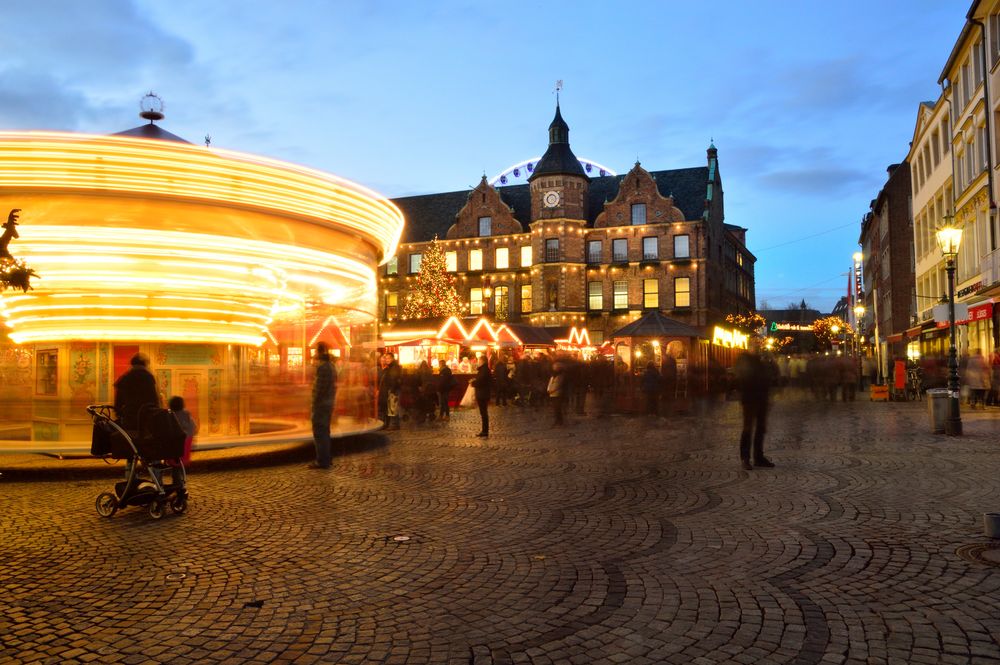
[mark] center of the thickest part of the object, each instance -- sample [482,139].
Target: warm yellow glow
[859,311]
[949,238]
[144,284]
[858,256]
[48,161]
[835,329]
[732,338]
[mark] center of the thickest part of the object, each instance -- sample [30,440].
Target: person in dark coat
[388,389]
[446,381]
[754,375]
[650,387]
[324,393]
[135,389]
[483,384]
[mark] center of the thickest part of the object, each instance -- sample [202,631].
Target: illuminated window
[682,291]
[451,261]
[595,295]
[619,250]
[526,256]
[475,259]
[650,249]
[739,258]
[391,305]
[526,297]
[415,260]
[501,303]
[501,259]
[621,295]
[475,301]
[638,213]
[552,249]
[594,250]
[682,248]
[651,293]
[485,226]
[392,267]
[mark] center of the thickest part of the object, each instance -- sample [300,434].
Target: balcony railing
[551,254]
[620,257]
[594,257]
[650,256]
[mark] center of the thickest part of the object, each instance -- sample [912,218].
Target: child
[190,428]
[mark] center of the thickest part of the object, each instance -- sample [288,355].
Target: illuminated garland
[750,322]
[823,329]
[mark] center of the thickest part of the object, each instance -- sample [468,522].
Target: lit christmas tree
[434,294]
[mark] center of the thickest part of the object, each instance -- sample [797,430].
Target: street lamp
[949,238]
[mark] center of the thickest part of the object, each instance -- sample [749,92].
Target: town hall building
[570,249]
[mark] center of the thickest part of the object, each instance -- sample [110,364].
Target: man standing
[389,385]
[135,389]
[323,395]
[754,376]
[483,385]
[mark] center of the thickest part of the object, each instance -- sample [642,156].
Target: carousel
[224,268]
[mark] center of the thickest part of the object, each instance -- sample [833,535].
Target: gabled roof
[656,324]
[433,214]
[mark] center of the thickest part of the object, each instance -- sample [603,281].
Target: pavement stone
[609,540]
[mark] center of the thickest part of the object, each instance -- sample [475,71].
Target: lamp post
[487,294]
[949,238]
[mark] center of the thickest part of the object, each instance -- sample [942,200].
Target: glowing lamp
[949,238]
[859,311]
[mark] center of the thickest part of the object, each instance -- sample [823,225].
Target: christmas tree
[434,293]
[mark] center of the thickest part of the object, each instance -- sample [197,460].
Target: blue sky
[808,102]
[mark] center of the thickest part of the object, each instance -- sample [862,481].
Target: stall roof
[655,324]
[531,335]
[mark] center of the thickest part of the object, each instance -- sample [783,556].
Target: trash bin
[937,405]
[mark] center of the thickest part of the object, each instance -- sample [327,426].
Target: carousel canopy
[655,324]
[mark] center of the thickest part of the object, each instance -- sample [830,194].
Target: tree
[14,273]
[434,293]
[830,328]
[748,323]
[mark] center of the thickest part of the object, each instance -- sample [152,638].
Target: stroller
[159,437]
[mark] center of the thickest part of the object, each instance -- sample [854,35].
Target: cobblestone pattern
[607,541]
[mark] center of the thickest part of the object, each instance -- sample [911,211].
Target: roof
[428,215]
[151,131]
[558,158]
[532,335]
[656,324]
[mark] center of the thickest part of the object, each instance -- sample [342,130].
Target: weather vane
[559,86]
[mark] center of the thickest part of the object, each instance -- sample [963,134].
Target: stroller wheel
[179,505]
[157,509]
[107,504]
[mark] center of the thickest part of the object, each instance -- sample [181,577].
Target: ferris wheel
[522,170]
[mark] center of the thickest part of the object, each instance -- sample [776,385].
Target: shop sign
[969,289]
[794,327]
[730,338]
[981,312]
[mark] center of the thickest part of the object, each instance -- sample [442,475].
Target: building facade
[570,249]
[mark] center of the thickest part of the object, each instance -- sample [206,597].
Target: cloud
[827,181]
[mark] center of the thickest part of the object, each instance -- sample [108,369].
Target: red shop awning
[892,339]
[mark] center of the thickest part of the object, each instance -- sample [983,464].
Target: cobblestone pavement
[616,540]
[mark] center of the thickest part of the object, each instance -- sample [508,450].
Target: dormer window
[485,226]
[638,214]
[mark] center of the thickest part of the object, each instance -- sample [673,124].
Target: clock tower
[558,182]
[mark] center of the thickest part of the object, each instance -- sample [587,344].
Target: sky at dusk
[808,102]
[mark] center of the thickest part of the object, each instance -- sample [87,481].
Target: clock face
[551,199]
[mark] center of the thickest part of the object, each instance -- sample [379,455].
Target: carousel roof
[655,324]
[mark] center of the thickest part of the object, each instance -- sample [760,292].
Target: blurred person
[501,381]
[650,387]
[483,386]
[668,384]
[190,427]
[324,394]
[135,389]
[389,387]
[754,375]
[556,390]
[446,381]
[977,377]
[995,377]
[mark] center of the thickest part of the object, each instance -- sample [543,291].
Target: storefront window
[47,372]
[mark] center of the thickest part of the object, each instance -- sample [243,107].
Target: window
[739,258]
[391,305]
[501,260]
[451,261]
[682,291]
[475,259]
[594,250]
[651,293]
[475,301]
[392,267]
[619,250]
[994,39]
[552,249]
[485,226]
[638,213]
[415,263]
[501,303]
[621,295]
[682,247]
[526,297]
[595,296]
[526,256]
[650,249]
